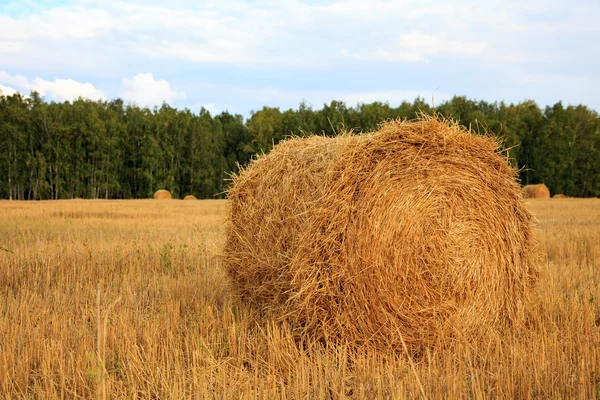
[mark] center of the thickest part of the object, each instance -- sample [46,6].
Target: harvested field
[127,299]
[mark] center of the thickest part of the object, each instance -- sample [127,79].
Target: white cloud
[7,91]
[144,90]
[397,55]
[58,24]
[58,89]
[416,46]
[420,43]
[211,108]
[13,80]
[66,89]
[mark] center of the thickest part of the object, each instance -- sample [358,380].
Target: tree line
[112,150]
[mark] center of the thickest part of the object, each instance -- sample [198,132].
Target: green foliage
[99,149]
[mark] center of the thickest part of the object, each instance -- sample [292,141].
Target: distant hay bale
[540,191]
[162,195]
[559,196]
[190,197]
[414,233]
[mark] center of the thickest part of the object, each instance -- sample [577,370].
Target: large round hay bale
[190,197]
[414,233]
[559,196]
[540,191]
[162,195]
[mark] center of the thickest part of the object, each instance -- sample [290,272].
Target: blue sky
[241,55]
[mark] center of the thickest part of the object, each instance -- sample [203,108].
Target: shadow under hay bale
[190,197]
[162,195]
[540,191]
[414,233]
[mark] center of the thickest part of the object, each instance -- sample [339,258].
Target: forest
[113,150]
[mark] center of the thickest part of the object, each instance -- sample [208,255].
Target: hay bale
[162,195]
[190,197]
[540,191]
[414,233]
[559,196]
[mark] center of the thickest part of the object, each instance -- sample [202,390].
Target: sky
[242,55]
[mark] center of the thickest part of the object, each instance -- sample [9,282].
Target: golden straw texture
[540,191]
[415,233]
[162,195]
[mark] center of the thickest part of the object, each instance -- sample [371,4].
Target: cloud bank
[480,49]
[57,89]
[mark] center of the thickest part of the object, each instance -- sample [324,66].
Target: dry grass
[126,299]
[409,236]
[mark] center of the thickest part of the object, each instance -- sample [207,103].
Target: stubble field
[127,299]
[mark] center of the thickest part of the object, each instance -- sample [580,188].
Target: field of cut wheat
[128,299]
